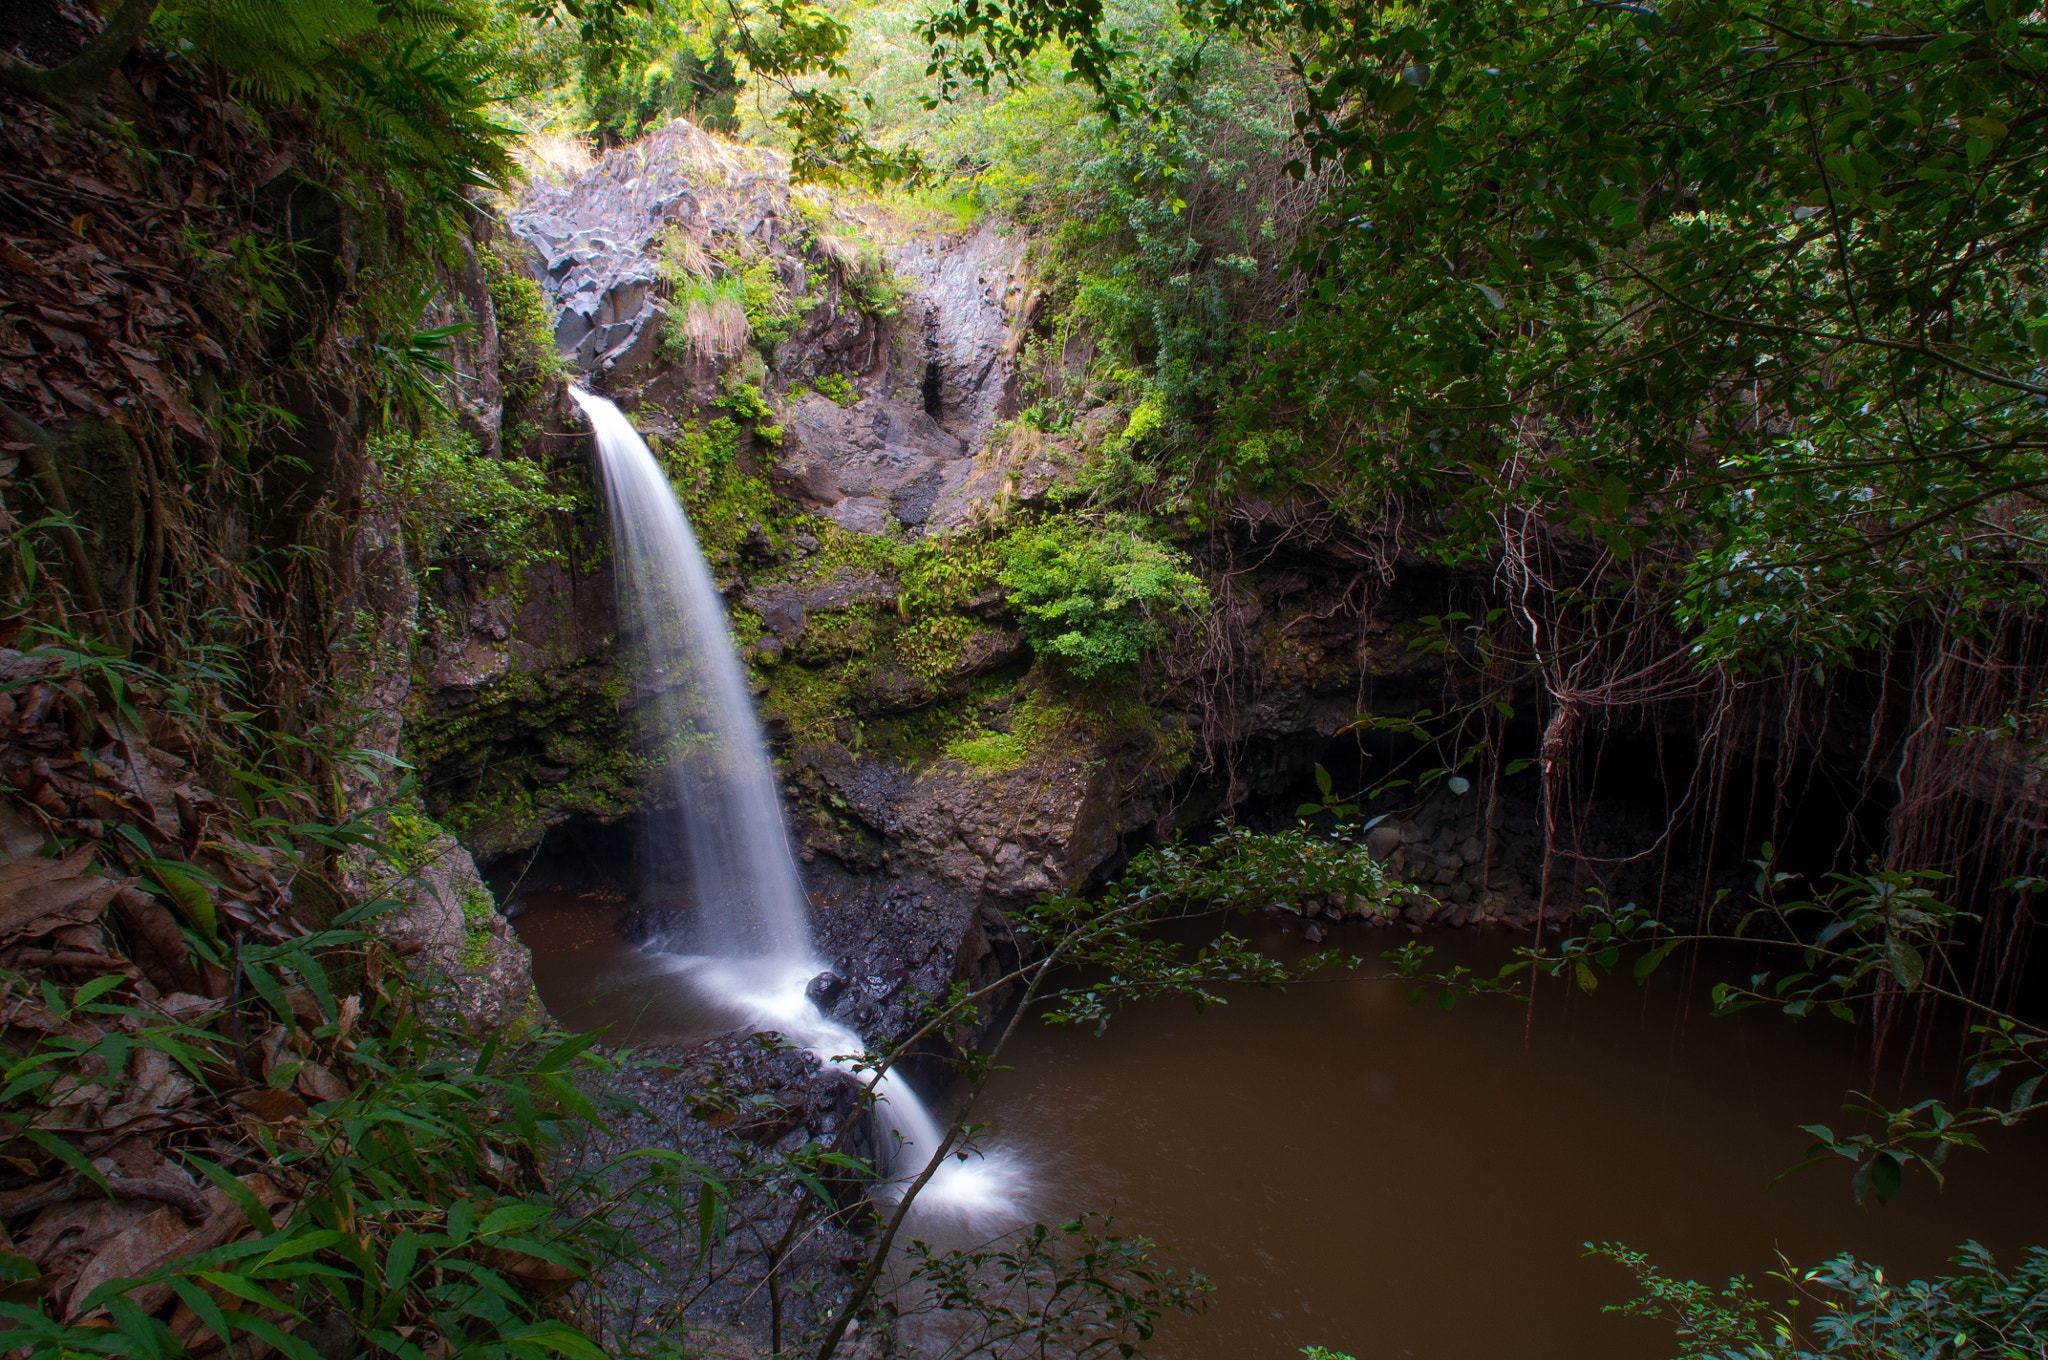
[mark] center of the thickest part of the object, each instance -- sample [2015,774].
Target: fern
[403,86]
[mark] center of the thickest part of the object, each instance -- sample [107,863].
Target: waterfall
[719,850]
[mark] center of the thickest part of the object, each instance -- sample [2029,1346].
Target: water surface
[1393,1181]
[1400,1182]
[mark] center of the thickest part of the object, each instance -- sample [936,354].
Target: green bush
[1096,595]
[452,498]
[1978,1311]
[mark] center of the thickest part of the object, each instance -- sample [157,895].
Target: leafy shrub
[931,647]
[874,284]
[452,498]
[526,338]
[770,314]
[410,836]
[1979,1311]
[1242,868]
[1096,595]
[835,386]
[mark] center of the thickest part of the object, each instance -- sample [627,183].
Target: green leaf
[511,1217]
[319,1240]
[178,884]
[244,1288]
[562,1054]
[1905,961]
[1584,975]
[202,1304]
[67,1154]
[244,1198]
[1653,960]
[95,989]
[1887,1174]
[707,1208]
[559,1338]
[285,1341]
[398,1260]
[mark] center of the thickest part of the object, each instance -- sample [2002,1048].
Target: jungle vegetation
[1712,334]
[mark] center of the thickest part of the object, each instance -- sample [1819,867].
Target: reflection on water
[590,978]
[1396,1182]
[1399,1182]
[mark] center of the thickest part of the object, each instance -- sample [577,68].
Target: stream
[1392,1181]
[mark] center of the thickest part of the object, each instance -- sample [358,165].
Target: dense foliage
[1095,595]
[1981,1310]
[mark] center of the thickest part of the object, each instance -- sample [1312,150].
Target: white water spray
[747,936]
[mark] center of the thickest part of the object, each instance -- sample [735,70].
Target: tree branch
[74,89]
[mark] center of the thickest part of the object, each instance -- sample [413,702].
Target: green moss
[530,751]
[526,338]
[725,503]
[835,634]
[1038,724]
[932,648]
[807,701]
[990,750]
[478,906]
[839,549]
[410,835]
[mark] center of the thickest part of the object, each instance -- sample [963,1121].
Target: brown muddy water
[1397,1182]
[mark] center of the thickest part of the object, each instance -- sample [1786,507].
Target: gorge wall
[832,384]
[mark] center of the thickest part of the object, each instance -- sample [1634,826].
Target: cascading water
[720,846]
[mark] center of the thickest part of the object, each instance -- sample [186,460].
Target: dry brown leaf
[165,1233]
[27,873]
[156,1235]
[540,1276]
[270,1106]
[305,1006]
[83,400]
[167,399]
[272,1048]
[42,907]
[157,945]
[317,1083]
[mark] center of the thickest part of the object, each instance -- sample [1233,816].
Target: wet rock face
[926,385]
[969,307]
[596,242]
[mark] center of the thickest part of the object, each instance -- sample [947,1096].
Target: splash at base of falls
[981,1187]
[722,826]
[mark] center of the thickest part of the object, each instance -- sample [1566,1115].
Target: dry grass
[838,249]
[715,326]
[711,157]
[684,257]
[547,149]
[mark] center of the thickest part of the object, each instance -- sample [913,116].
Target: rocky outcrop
[597,241]
[449,925]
